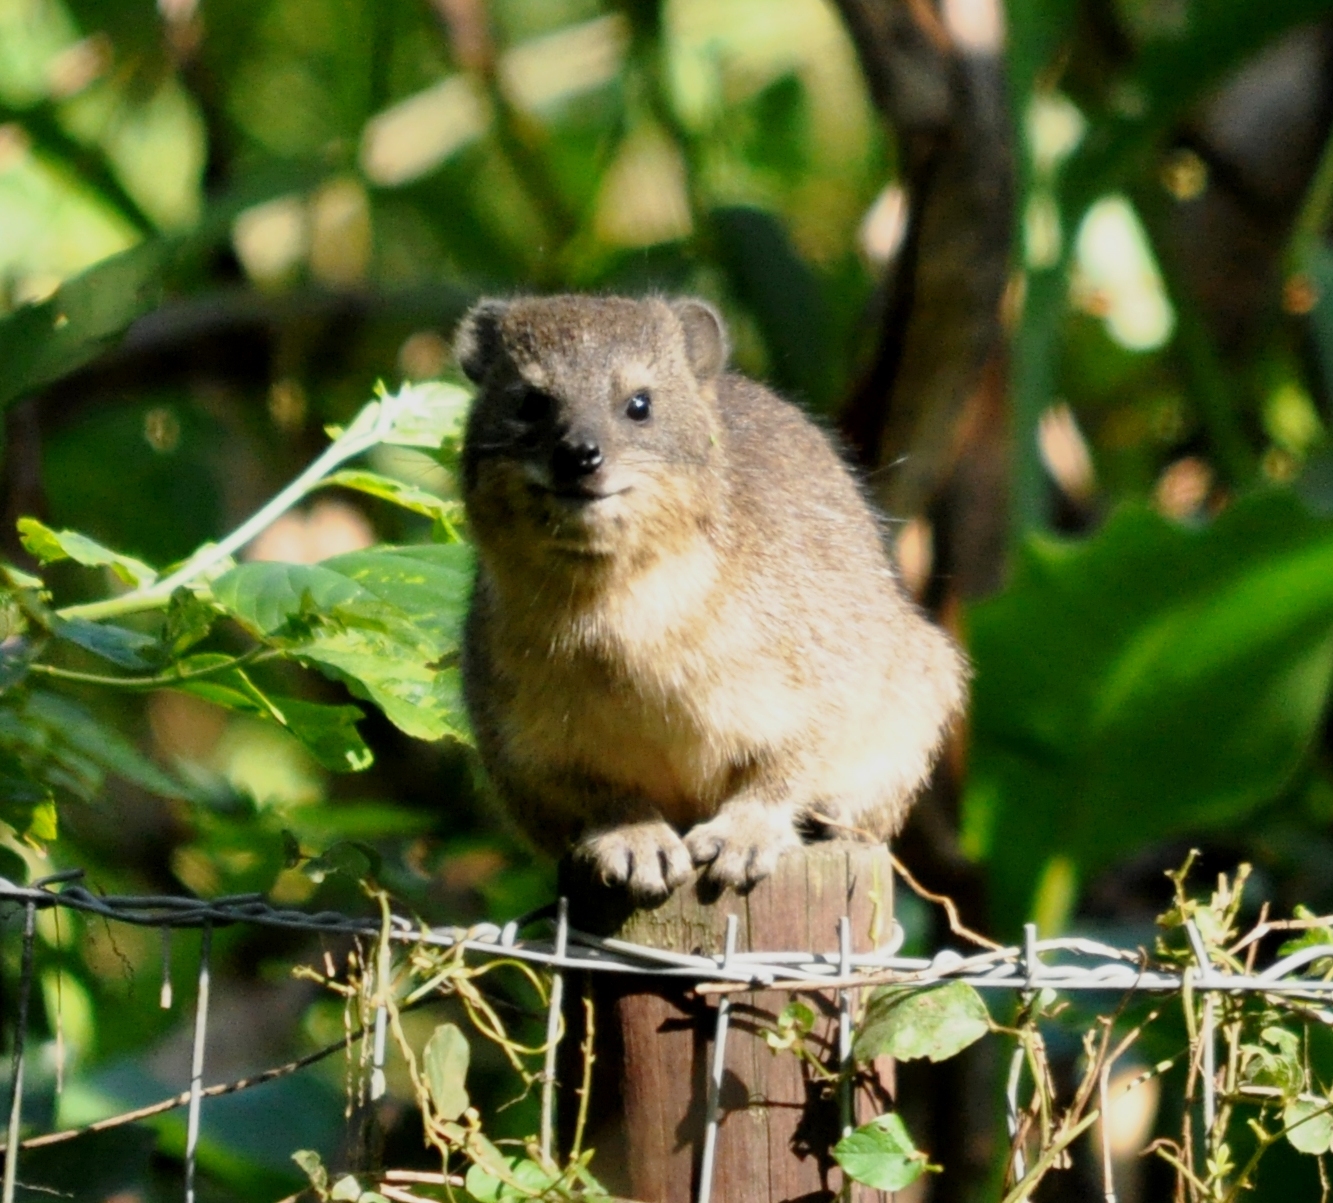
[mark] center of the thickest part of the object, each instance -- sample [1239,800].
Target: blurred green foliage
[222,223]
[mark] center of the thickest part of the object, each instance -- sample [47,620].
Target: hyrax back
[686,641]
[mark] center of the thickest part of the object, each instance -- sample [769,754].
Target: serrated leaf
[50,546]
[385,621]
[907,1023]
[445,1061]
[880,1154]
[119,645]
[1309,1125]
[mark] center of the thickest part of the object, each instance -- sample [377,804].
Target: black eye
[639,408]
[533,406]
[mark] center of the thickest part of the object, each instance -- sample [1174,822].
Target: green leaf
[795,1021]
[40,343]
[117,644]
[72,749]
[485,1177]
[529,1181]
[13,868]
[427,414]
[43,826]
[328,733]
[908,1023]
[880,1154]
[189,619]
[346,1188]
[25,804]
[1276,1062]
[481,1184]
[386,621]
[50,546]
[350,858]
[1177,680]
[445,1061]
[1309,1125]
[409,497]
[313,1167]
[1314,937]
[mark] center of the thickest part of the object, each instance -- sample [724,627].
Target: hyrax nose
[573,459]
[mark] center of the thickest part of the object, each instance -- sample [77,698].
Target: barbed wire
[1098,966]
[1081,965]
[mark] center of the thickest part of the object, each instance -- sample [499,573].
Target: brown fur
[705,644]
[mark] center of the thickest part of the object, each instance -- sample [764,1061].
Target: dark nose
[571,460]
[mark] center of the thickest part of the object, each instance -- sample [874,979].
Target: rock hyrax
[686,645]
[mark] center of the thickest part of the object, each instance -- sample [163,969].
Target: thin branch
[165,680]
[180,1100]
[956,924]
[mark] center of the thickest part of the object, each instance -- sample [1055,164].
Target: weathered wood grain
[654,1040]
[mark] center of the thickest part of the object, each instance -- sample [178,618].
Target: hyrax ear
[705,337]
[477,340]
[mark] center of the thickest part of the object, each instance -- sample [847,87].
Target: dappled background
[1058,275]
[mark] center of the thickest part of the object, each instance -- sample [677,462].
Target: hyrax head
[594,432]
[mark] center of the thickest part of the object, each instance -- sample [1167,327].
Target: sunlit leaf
[446,514]
[426,414]
[1309,1125]
[907,1023]
[386,621]
[880,1154]
[445,1062]
[50,546]
[313,1167]
[328,733]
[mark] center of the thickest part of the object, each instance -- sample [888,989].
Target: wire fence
[1063,965]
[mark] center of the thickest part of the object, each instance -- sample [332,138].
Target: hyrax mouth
[577,495]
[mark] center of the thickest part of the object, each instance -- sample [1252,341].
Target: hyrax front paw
[647,858]
[742,844]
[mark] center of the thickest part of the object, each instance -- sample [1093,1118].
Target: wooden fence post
[654,1039]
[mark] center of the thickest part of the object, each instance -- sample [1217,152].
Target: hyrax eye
[639,408]
[533,406]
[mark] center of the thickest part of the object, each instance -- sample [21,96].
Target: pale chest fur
[653,690]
